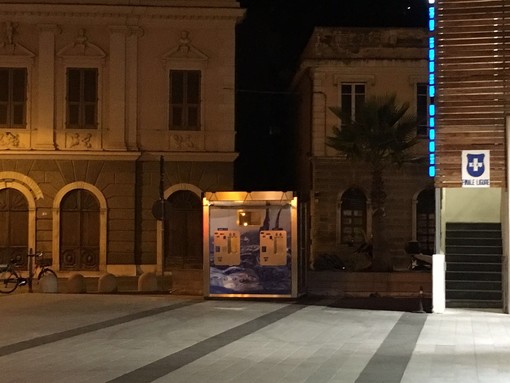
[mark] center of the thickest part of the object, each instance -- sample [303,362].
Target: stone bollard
[48,283]
[76,284]
[107,283]
[147,282]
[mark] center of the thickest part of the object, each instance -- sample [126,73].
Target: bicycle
[10,275]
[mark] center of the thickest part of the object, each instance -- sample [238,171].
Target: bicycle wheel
[46,272]
[8,281]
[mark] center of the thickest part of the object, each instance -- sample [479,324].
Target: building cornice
[191,156]
[334,63]
[117,156]
[68,155]
[109,11]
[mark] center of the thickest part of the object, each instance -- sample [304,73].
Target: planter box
[188,281]
[359,284]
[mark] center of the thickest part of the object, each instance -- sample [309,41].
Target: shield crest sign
[476,168]
[475,165]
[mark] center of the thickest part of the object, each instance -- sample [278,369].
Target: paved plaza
[164,338]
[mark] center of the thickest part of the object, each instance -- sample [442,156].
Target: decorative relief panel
[184,52]
[14,140]
[81,48]
[187,142]
[9,46]
[82,140]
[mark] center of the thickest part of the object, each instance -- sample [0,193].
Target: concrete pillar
[438,283]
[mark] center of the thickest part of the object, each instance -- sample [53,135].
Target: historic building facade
[92,96]
[341,67]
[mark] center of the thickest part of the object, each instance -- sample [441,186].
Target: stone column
[319,110]
[46,87]
[116,129]
[132,87]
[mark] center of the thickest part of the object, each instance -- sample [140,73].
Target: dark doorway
[183,242]
[14,226]
[79,231]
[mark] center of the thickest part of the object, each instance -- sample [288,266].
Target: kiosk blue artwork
[250,244]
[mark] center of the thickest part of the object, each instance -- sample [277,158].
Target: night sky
[269,42]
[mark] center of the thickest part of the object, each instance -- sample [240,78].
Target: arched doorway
[79,231]
[183,237]
[14,226]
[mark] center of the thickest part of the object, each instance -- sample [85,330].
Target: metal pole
[30,257]
[163,216]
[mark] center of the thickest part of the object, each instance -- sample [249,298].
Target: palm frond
[382,132]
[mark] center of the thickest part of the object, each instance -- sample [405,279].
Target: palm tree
[380,135]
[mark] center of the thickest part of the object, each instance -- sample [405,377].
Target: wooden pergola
[472,82]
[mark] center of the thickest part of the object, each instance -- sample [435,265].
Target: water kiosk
[251,245]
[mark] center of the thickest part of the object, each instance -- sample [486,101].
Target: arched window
[425,221]
[183,244]
[79,231]
[353,216]
[14,226]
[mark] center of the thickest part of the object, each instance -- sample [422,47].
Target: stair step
[474,250]
[473,266]
[482,234]
[474,295]
[470,258]
[473,303]
[473,285]
[472,276]
[467,226]
[470,241]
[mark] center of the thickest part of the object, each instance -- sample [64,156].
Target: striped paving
[45,339]
[170,363]
[390,361]
[133,338]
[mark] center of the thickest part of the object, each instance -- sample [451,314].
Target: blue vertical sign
[432,88]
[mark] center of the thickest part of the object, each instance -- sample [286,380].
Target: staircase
[473,265]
